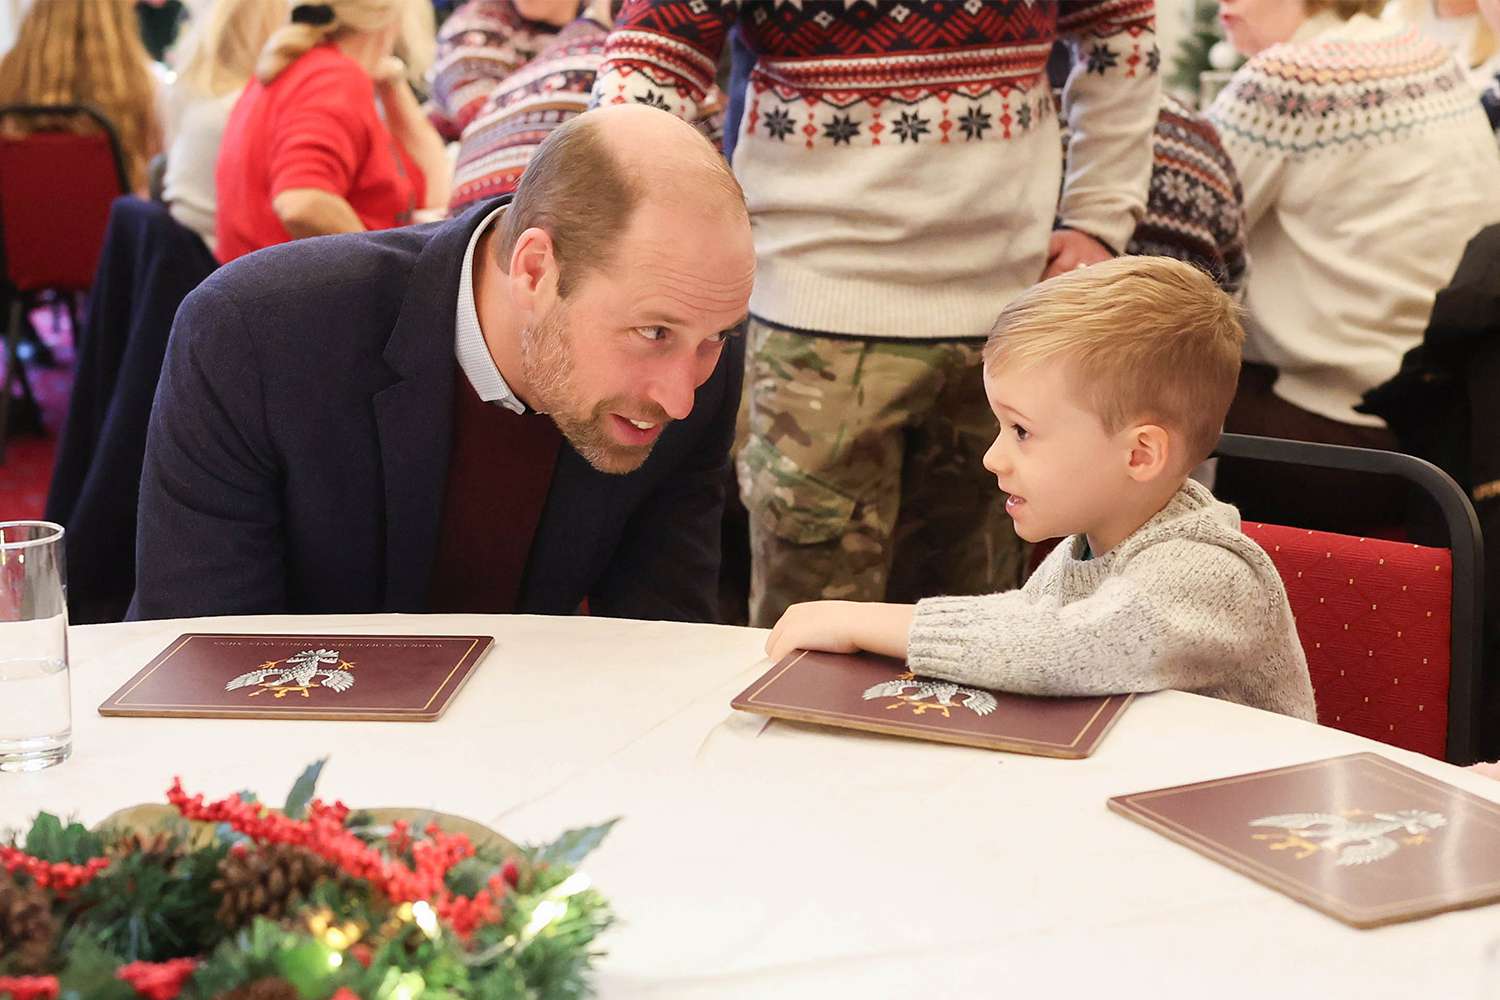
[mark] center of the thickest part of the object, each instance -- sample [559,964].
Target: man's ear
[1151,452]
[533,272]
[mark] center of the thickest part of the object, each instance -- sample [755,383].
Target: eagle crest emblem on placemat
[1356,837]
[311,668]
[923,694]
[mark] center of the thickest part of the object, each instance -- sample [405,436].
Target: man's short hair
[1145,338]
[574,189]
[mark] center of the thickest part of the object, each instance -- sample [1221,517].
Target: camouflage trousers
[862,472]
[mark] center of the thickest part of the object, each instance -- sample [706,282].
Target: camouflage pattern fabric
[862,472]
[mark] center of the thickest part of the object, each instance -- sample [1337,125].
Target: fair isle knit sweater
[1186,602]
[1367,165]
[480,45]
[901,159]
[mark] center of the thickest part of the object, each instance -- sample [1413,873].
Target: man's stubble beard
[548,370]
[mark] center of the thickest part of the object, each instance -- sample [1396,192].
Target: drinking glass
[35,711]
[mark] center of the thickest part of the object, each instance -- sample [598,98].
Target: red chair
[56,187]
[1392,630]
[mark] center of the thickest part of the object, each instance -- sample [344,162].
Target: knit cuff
[937,643]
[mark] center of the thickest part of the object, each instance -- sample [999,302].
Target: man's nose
[675,389]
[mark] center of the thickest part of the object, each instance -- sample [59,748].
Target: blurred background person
[1490,92]
[1459,27]
[1367,166]
[308,152]
[215,62]
[87,52]
[481,44]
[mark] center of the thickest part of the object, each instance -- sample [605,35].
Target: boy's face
[1064,472]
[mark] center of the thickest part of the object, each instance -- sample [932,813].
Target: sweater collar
[1192,498]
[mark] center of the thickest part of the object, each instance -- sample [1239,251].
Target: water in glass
[35,709]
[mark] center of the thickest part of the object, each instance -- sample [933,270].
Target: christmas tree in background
[1203,50]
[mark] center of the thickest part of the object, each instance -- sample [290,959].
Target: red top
[499,475]
[314,126]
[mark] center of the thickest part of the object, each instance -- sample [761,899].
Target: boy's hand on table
[842,627]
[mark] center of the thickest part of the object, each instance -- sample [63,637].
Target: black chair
[1325,617]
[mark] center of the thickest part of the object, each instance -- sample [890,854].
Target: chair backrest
[1392,630]
[1375,620]
[55,191]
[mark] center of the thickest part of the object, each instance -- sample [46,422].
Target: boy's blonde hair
[1145,338]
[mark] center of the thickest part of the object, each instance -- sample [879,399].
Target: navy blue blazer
[298,451]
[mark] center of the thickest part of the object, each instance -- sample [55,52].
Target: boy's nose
[994,460]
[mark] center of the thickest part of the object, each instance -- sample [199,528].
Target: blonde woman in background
[87,52]
[328,137]
[215,62]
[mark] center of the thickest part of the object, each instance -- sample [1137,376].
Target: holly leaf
[50,840]
[302,791]
[574,845]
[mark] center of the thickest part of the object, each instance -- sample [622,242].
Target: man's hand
[842,627]
[1069,248]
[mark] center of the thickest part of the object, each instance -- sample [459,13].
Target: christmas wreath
[234,900]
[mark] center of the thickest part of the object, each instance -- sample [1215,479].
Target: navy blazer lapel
[414,416]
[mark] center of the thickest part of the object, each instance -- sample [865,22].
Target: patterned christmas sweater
[529,105]
[901,160]
[479,46]
[1367,165]
[1195,210]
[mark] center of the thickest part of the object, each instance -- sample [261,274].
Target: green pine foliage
[157,901]
[1192,56]
[152,907]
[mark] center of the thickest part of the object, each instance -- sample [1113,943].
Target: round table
[759,859]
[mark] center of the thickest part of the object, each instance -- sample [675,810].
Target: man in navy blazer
[524,408]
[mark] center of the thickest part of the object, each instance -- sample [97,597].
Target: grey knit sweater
[1185,602]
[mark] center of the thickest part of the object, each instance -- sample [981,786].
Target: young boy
[1110,384]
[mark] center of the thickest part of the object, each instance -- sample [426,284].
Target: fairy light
[410,986]
[423,915]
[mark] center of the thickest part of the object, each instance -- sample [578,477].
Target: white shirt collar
[473,353]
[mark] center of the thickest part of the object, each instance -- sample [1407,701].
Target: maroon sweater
[499,474]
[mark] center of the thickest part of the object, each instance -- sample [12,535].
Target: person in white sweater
[1110,383]
[1367,166]
[214,64]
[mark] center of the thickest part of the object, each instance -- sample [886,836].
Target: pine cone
[269,988]
[266,882]
[27,930]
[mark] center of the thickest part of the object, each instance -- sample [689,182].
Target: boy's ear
[1151,454]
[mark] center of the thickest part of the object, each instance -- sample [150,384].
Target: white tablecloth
[759,860]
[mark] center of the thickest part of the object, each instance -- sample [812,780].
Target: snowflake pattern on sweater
[880,135]
[840,74]
[479,46]
[1315,99]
